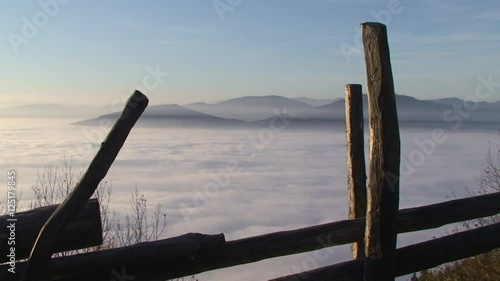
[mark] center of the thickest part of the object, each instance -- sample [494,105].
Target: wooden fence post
[356,168]
[97,170]
[383,182]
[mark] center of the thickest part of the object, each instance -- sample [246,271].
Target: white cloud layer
[298,179]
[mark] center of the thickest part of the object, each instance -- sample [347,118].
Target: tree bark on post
[383,182]
[356,168]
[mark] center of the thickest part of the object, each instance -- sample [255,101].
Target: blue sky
[93,52]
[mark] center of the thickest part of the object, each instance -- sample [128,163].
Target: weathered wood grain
[383,180]
[356,168]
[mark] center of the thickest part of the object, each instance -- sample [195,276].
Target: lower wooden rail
[414,258]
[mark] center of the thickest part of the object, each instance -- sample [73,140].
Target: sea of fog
[248,182]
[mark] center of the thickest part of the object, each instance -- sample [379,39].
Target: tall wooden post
[356,168]
[383,182]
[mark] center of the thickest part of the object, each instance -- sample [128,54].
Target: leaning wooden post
[383,182]
[356,169]
[98,168]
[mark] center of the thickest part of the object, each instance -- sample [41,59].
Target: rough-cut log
[383,181]
[264,246]
[416,257]
[356,169]
[83,231]
[143,261]
[97,170]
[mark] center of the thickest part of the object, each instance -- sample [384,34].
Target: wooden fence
[84,230]
[373,224]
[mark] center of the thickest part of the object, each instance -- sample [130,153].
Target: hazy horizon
[252,111]
[16,103]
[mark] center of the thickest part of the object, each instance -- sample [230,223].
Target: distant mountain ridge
[250,108]
[257,110]
[411,109]
[169,115]
[410,106]
[316,102]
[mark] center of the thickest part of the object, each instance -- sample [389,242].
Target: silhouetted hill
[272,110]
[410,109]
[315,102]
[481,106]
[251,108]
[169,115]
[446,101]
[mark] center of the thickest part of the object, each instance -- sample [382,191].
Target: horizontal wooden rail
[416,257]
[103,265]
[156,260]
[83,231]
